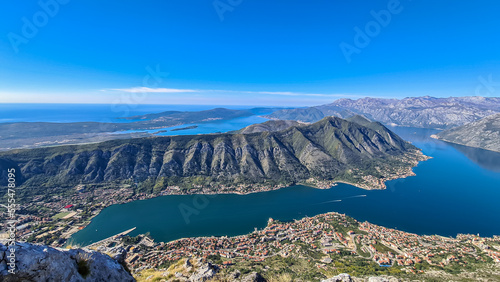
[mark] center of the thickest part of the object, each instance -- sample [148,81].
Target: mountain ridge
[423,112]
[484,134]
[268,126]
[329,150]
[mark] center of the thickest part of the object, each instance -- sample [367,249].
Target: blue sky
[279,52]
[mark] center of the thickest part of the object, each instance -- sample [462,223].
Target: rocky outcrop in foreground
[196,270]
[42,263]
[344,277]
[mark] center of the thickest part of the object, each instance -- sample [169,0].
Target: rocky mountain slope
[484,134]
[423,112]
[311,114]
[269,126]
[331,149]
[42,263]
[195,270]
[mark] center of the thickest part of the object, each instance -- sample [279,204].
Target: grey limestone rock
[253,277]
[343,277]
[42,263]
[205,271]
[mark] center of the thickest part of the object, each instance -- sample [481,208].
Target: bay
[217,126]
[450,194]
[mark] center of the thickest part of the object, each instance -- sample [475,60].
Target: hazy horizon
[255,52]
[243,106]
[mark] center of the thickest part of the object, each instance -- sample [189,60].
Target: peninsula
[484,134]
[360,152]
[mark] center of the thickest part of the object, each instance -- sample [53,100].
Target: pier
[103,241]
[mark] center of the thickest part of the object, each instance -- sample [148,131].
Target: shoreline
[436,137]
[304,217]
[368,184]
[261,246]
[331,185]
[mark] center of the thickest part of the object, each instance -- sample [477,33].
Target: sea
[90,112]
[456,191]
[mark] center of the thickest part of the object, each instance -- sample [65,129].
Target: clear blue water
[89,112]
[205,127]
[452,193]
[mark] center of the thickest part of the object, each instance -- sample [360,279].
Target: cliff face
[324,150]
[484,134]
[42,263]
[423,112]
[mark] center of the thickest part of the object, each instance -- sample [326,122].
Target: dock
[103,241]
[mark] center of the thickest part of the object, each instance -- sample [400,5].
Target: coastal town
[52,219]
[327,243]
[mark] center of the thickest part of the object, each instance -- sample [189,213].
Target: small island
[185,128]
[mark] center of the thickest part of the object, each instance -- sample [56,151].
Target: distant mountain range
[423,112]
[356,151]
[484,134]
